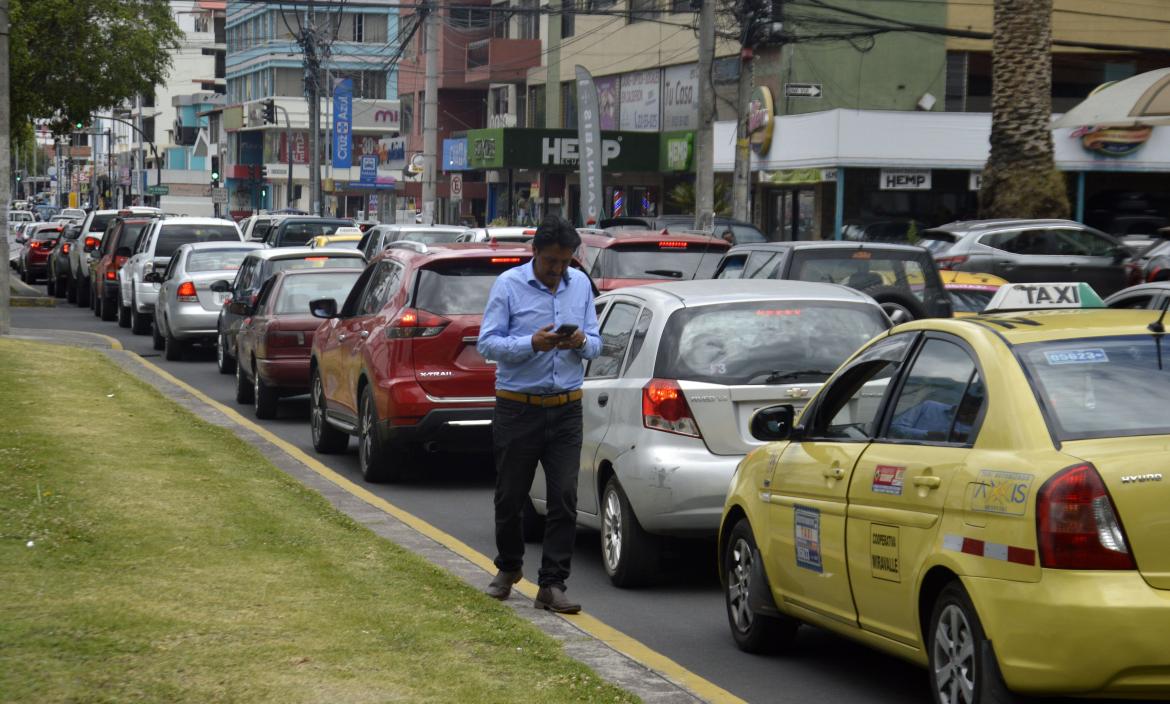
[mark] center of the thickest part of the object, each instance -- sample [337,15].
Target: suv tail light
[92,242]
[186,292]
[414,322]
[950,262]
[111,275]
[1077,526]
[45,245]
[665,408]
[65,248]
[283,338]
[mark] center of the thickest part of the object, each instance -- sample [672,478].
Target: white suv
[667,403]
[154,252]
[80,257]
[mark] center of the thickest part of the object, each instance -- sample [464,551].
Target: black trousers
[522,435]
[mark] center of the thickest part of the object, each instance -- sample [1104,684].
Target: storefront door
[791,214]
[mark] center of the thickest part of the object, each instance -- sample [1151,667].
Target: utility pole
[430,112]
[705,146]
[5,194]
[741,184]
[313,94]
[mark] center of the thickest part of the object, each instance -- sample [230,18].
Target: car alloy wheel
[263,396]
[243,388]
[739,585]
[954,657]
[223,360]
[326,438]
[611,532]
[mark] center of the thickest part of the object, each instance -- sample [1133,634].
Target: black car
[902,278]
[58,275]
[258,267]
[298,230]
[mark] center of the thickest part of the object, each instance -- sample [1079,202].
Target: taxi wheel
[629,554]
[753,632]
[223,361]
[963,668]
[265,397]
[71,290]
[172,348]
[374,457]
[243,386]
[326,439]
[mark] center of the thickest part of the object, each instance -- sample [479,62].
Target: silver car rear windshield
[764,342]
[216,259]
[173,236]
[1101,387]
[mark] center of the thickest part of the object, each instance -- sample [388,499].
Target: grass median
[151,557]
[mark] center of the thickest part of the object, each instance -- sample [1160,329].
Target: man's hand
[572,342]
[543,340]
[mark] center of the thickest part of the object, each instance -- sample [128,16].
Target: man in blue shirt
[539,326]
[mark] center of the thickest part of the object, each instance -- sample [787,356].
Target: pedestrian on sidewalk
[539,326]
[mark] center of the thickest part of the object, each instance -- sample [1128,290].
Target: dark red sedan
[276,337]
[39,241]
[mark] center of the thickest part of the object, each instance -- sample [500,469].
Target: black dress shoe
[501,585]
[553,599]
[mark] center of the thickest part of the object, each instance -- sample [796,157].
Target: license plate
[219,298]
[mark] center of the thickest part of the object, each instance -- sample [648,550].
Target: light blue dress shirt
[518,306]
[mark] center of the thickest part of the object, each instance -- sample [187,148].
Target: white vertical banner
[589,141]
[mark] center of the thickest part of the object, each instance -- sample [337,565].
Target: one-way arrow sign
[802,90]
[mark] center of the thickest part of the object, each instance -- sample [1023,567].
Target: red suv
[617,258]
[397,365]
[122,235]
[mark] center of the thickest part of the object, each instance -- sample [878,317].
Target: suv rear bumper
[450,429]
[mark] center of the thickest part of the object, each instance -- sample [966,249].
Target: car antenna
[1156,327]
[706,248]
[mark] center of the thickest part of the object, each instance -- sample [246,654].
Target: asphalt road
[683,617]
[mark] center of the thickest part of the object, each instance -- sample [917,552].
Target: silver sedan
[187,308]
[666,405]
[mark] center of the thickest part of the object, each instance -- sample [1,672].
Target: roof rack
[408,244]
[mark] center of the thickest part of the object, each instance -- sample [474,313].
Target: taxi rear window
[764,342]
[1101,387]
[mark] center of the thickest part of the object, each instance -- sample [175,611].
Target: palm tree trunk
[1020,179]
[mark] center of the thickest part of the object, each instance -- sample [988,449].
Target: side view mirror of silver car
[773,423]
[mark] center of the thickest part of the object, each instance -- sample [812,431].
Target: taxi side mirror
[773,423]
[323,308]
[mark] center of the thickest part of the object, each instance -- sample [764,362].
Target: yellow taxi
[983,496]
[970,292]
[344,240]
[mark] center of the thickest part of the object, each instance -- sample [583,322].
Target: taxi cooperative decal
[1089,356]
[807,525]
[887,480]
[883,552]
[992,551]
[1002,492]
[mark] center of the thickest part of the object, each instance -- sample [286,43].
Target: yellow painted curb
[612,637]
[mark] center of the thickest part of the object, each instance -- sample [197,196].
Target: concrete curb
[652,686]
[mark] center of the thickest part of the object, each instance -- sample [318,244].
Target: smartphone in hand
[565,330]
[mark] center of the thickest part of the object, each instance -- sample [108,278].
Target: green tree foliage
[72,58]
[682,197]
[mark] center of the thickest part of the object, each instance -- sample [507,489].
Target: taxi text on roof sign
[1047,296]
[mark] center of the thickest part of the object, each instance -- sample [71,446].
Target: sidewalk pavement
[649,675]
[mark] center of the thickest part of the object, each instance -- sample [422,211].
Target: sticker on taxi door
[808,538]
[1002,492]
[884,552]
[887,480]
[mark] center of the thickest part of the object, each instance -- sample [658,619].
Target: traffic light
[263,172]
[264,193]
[18,176]
[215,171]
[270,111]
[79,125]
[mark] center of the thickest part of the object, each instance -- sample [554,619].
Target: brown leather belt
[544,401]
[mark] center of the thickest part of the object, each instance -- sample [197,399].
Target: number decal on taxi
[808,538]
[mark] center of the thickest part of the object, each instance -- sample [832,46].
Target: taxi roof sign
[1044,296]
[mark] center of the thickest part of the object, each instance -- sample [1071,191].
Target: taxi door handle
[603,399]
[927,481]
[833,473]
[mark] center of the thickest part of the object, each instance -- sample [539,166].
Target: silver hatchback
[667,403]
[188,310]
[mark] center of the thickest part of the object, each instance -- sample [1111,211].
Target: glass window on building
[568,18]
[407,101]
[499,25]
[529,19]
[536,105]
[642,10]
[569,105]
[681,6]
[374,29]
[288,82]
[406,34]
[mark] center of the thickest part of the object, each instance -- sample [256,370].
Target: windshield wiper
[777,376]
[665,272]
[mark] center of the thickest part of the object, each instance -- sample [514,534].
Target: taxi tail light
[1077,526]
[665,408]
[415,322]
[949,262]
[186,292]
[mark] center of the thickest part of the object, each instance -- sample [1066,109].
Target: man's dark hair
[555,230]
